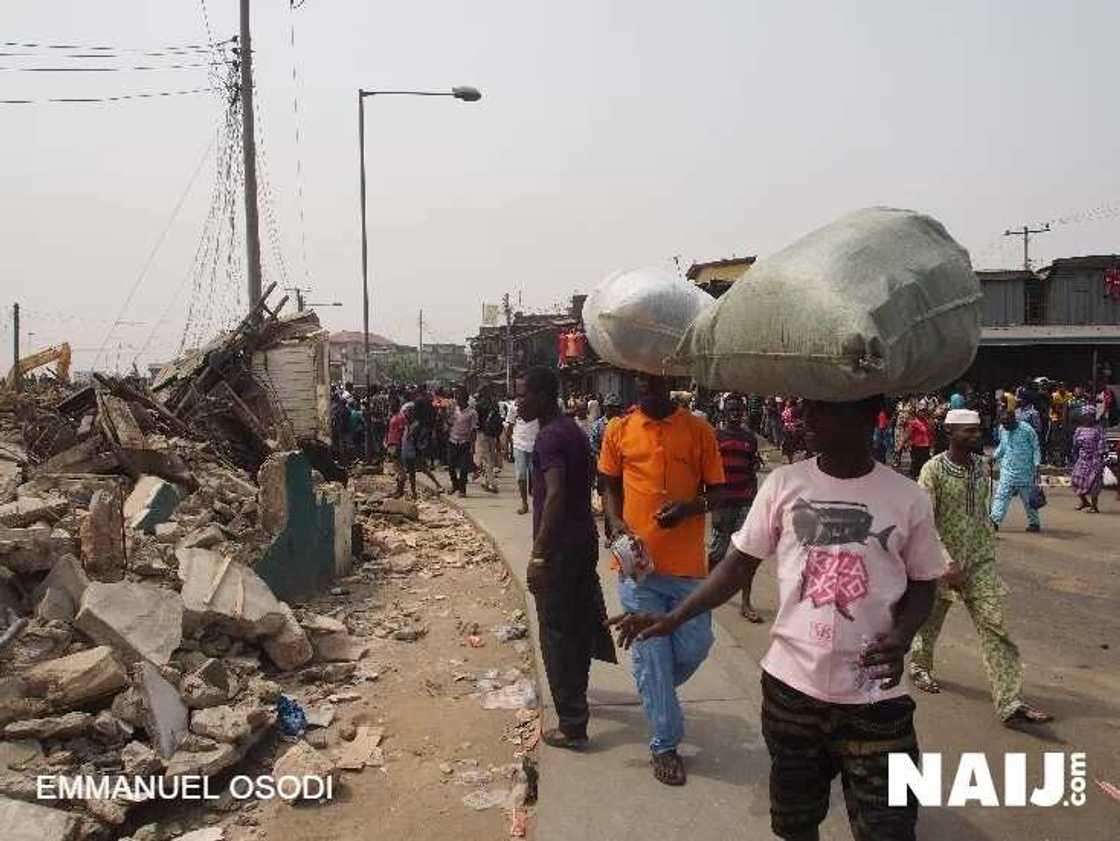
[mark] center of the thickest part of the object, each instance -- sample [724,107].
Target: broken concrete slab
[138,620]
[302,760]
[119,423]
[59,727]
[206,686]
[203,538]
[139,760]
[363,750]
[77,679]
[289,648]
[102,537]
[59,595]
[128,707]
[151,502]
[15,703]
[224,593]
[20,821]
[210,833]
[34,549]
[15,755]
[169,532]
[317,623]
[400,507]
[163,714]
[110,730]
[202,763]
[339,648]
[223,724]
[28,510]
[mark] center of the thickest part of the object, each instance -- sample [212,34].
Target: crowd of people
[841,507]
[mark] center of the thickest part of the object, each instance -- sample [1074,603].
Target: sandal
[556,738]
[750,614]
[1026,714]
[668,768]
[924,681]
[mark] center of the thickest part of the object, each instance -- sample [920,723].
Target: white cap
[962,417]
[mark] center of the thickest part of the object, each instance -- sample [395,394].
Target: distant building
[716,276]
[1062,322]
[347,355]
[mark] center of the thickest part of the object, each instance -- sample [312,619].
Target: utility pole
[249,150]
[420,343]
[509,345]
[1025,232]
[15,348]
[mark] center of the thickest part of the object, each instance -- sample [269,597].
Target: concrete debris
[512,631]
[34,549]
[128,707]
[168,533]
[289,648]
[139,621]
[21,821]
[320,716]
[61,727]
[152,501]
[28,510]
[59,595]
[77,679]
[221,592]
[102,536]
[210,833]
[203,538]
[163,714]
[487,799]
[207,686]
[519,695]
[400,507]
[302,760]
[223,724]
[339,647]
[363,750]
[110,730]
[139,760]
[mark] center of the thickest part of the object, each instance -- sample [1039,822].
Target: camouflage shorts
[812,741]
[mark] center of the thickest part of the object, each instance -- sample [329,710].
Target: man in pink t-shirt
[858,558]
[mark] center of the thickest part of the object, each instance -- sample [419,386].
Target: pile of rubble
[139,603]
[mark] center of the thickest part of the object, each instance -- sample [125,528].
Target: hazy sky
[611,133]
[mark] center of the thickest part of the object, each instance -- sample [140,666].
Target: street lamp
[464,93]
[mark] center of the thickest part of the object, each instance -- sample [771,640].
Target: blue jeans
[664,663]
[1002,498]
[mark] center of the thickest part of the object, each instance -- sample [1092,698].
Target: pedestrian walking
[738,450]
[562,572]
[1090,448]
[522,434]
[959,486]
[460,439]
[858,561]
[1019,459]
[919,436]
[668,462]
[486,442]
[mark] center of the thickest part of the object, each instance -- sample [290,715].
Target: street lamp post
[464,93]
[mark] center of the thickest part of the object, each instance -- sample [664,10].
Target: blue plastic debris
[291,717]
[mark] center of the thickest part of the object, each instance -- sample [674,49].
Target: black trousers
[571,613]
[918,458]
[458,464]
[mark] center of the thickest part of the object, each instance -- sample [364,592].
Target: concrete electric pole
[1025,232]
[249,150]
[15,348]
[509,345]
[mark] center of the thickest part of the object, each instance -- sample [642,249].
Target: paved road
[1065,593]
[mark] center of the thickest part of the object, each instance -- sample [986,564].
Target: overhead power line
[119,98]
[110,48]
[111,69]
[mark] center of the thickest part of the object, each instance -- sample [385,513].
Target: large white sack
[879,301]
[635,319]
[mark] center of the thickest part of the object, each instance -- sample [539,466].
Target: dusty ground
[424,693]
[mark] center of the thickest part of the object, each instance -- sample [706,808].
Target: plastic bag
[290,716]
[879,301]
[1038,497]
[635,319]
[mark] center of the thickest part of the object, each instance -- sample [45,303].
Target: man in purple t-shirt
[562,573]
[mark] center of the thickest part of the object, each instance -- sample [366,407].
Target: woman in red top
[920,435]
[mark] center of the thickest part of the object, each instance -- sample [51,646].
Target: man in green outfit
[959,486]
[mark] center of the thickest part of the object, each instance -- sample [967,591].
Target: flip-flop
[751,615]
[556,738]
[924,681]
[668,768]
[1026,714]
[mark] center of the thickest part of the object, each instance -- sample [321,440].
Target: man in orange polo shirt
[662,470]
